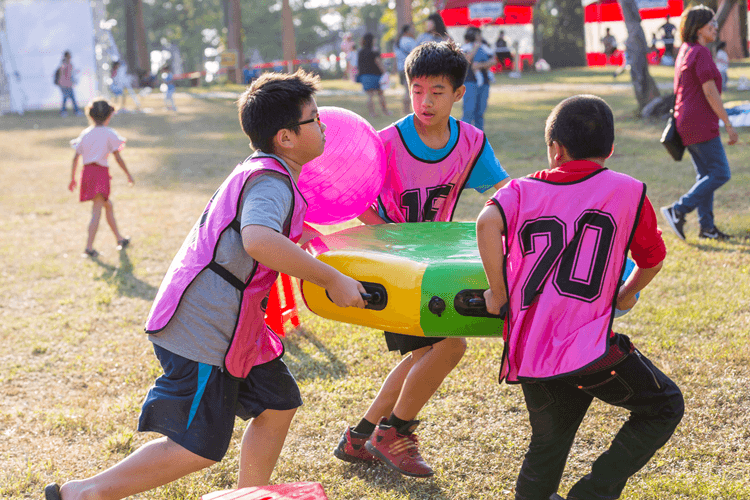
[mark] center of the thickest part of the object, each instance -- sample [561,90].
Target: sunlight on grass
[76,363]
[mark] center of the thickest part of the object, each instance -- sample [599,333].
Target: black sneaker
[675,221]
[713,234]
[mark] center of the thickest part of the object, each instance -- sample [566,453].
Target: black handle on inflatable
[472,303]
[375,295]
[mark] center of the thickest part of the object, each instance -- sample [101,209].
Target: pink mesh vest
[252,342]
[566,246]
[417,191]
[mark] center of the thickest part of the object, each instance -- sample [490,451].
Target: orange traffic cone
[276,314]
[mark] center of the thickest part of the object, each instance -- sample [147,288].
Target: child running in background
[554,246]
[168,78]
[94,145]
[220,360]
[431,158]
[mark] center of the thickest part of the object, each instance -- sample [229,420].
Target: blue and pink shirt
[424,184]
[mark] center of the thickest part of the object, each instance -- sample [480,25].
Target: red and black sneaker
[399,450]
[351,448]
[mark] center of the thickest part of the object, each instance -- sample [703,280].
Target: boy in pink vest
[220,360]
[431,158]
[554,246]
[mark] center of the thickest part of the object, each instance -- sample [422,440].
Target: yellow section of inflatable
[402,279]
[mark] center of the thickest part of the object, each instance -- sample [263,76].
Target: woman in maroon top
[697,110]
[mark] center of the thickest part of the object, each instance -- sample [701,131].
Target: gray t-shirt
[204,321]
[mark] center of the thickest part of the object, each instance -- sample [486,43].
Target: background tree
[560,32]
[636,47]
[136,53]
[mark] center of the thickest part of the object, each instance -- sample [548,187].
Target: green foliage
[560,32]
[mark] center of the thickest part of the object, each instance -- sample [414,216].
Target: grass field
[75,364]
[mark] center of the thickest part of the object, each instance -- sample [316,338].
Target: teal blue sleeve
[487,171]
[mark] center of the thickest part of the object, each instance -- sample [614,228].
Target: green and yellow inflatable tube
[425,279]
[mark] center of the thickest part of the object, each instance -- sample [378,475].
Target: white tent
[33,36]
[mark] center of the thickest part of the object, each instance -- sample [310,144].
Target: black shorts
[194,404]
[408,343]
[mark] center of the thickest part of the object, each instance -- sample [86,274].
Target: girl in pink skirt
[94,145]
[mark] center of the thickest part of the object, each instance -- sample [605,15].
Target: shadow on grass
[380,477]
[303,355]
[121,277]
[738,244]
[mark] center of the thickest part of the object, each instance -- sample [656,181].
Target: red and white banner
[516,22]
[603,14]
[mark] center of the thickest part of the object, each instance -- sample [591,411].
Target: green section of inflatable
[446,256]
[453,264]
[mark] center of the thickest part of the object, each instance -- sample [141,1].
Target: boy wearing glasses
[207,322]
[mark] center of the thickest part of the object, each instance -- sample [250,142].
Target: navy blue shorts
[370,82]
[408,343]
[194,404]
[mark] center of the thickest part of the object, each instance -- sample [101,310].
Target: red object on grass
[289,491]
[276,314]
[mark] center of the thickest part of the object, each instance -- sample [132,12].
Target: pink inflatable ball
[346,179]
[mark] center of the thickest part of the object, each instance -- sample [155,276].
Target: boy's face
[311,138]
[432,99]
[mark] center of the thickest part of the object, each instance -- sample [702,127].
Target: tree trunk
[136,53]
[636,48]
[289,45]
[234,39]
[404,14]
[723,12]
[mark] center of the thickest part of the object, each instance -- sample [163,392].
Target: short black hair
[437,59]
[99,110]
[273,102]
[471,33]
[584,124]
[693,19]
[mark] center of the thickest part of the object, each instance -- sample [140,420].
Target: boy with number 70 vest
[554,245]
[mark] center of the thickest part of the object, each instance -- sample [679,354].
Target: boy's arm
[121,162]
[490,227]
[278,252]
[648,251]
[72,184]
[501,183]
[370,217]
[637,281]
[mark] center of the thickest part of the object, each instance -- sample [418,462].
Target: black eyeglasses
[305,122]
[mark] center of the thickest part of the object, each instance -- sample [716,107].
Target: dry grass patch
[76,365]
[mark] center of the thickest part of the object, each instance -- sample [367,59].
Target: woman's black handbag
[671,139]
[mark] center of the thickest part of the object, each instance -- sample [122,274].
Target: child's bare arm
[72,184]
[637,281]
[278,252]
[501,183]
[370,217]
[490,227]
[121,162]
